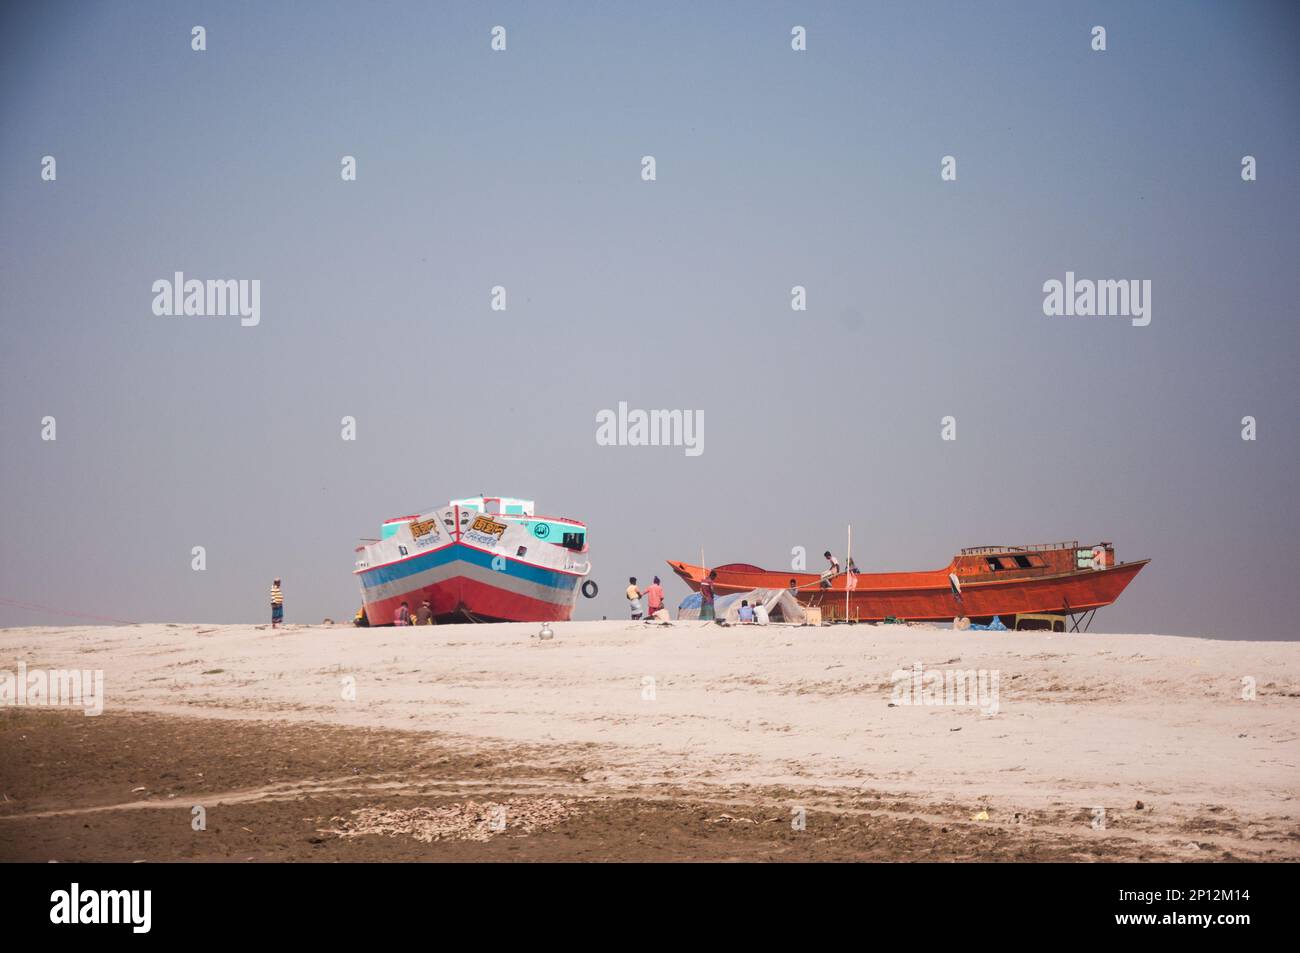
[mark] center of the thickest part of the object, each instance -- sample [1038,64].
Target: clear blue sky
[522,169]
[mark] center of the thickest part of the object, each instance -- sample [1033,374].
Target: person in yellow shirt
[634,597]
[277,604]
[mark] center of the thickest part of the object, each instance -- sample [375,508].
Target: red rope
[36,606]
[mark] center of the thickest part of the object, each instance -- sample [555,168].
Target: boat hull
[470,567]
[929,596]
[462,582]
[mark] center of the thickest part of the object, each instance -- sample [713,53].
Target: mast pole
[848,561]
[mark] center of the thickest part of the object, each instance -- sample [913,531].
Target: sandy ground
[617,740]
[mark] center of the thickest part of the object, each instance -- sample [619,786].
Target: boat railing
[1032,548]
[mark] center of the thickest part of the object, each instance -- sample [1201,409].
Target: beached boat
[982,582]
[486,559]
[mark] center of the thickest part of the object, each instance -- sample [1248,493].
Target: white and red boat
[487,559]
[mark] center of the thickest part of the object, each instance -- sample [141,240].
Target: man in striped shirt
[277,604]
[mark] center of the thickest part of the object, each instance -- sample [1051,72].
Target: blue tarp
[690,606]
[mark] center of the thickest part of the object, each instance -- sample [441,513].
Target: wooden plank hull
[928,596]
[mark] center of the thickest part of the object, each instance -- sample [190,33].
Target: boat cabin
[986,563]
[495,505]
[559,530]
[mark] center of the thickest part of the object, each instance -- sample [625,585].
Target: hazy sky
[522,168]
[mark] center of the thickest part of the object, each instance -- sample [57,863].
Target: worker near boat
[634,598]
[831,571]
[706,597]
[653,596]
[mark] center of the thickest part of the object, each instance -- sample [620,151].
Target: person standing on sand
[655,597]
[706,598]
[403,615]
[424,615]
[634,597]
[277,604]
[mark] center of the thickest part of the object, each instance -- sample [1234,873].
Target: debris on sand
[471,820]
[729,819]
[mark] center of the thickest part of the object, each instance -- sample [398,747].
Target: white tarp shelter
[781,606]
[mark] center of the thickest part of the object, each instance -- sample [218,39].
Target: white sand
[1083,720]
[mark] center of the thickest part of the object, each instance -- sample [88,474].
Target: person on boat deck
[424,615]
[746,611]
[831,571]
[403,615]
[634,597]
[277,604]
[655,597]
[706,597]
[794,587]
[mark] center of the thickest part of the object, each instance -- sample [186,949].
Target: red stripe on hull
[449,596]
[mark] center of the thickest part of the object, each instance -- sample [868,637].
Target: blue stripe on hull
[385,582]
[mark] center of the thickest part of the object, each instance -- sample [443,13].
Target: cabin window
[574,540]
[522,551]
[1000,563]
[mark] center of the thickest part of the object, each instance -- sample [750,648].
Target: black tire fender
[589,589]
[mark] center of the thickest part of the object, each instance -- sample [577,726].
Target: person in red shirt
[655,596]
[706,598]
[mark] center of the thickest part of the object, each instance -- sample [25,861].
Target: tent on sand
[780,604]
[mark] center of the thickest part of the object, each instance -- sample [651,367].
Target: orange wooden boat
[982,582]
